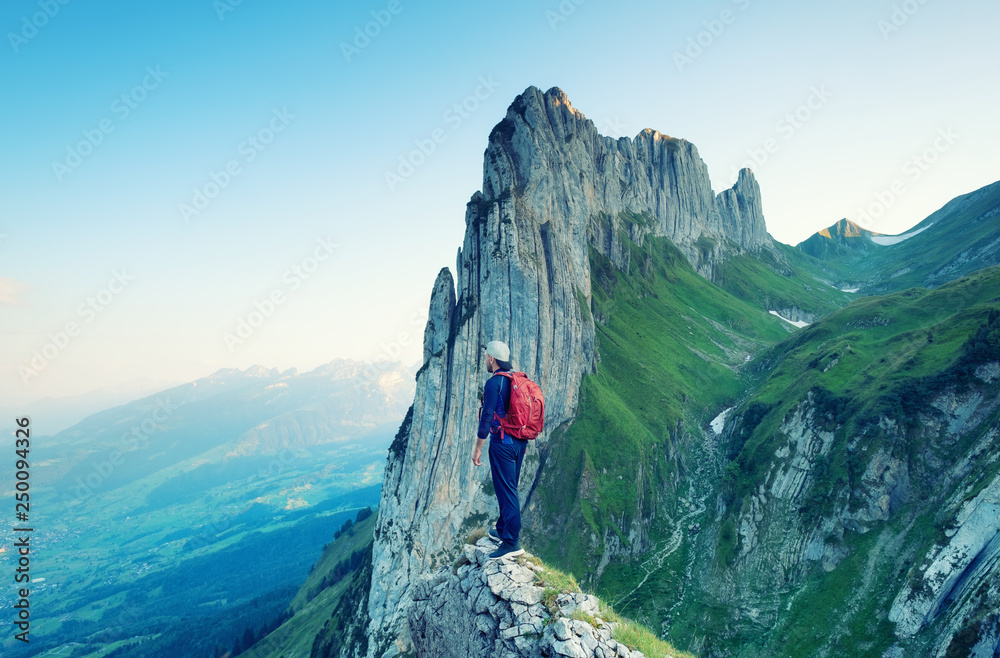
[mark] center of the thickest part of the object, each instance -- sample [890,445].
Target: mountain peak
[558,97]
[845,228]
[231,373]
[551,156]
[843,236]
[653,134]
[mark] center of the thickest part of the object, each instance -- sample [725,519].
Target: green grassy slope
[949,247]
[318,595]
[625,488]
[782,280]
[879,357]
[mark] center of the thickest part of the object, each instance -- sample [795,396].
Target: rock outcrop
[934,593]
[494,609]
[955,568]
[552,188]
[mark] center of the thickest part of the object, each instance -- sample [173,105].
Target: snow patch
[886,240]
[848,289]
[797,323]
[720,421]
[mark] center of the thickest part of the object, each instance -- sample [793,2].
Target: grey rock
[526,594]
[486,624]
[988,372]
[963,564]
[562,629]
[499,583]
[572,648]
[934,589]
[511,632]
[520,574]
[588,640]
[484,601]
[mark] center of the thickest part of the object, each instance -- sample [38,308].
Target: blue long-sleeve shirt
[494,385]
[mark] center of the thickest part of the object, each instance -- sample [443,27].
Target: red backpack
[526,416]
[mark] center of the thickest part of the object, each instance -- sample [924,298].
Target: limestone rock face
[550,160]
[955,569]
[552,187]
[935,595]
[492,609]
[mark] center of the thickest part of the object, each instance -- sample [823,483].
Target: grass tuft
[475,536]
[580,615]
[557,580]
[636,636]
[524,559]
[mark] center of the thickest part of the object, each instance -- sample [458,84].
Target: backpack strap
[503,376]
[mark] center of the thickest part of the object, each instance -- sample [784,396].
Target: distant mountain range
[202,506]
[51,415]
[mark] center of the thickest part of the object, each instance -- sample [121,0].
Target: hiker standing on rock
[506,445]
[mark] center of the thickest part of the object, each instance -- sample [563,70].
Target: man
[506,452]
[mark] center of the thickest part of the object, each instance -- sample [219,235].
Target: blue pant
[505,465]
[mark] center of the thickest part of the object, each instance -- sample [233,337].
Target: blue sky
[117,114]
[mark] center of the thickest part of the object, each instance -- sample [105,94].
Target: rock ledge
[493,609]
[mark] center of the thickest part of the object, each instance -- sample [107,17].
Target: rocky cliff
[552,188]
[864,487]
[503,609]
[951,579]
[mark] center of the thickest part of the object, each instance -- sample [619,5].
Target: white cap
[498,350]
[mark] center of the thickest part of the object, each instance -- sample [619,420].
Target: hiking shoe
[506,550]
[494,535]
